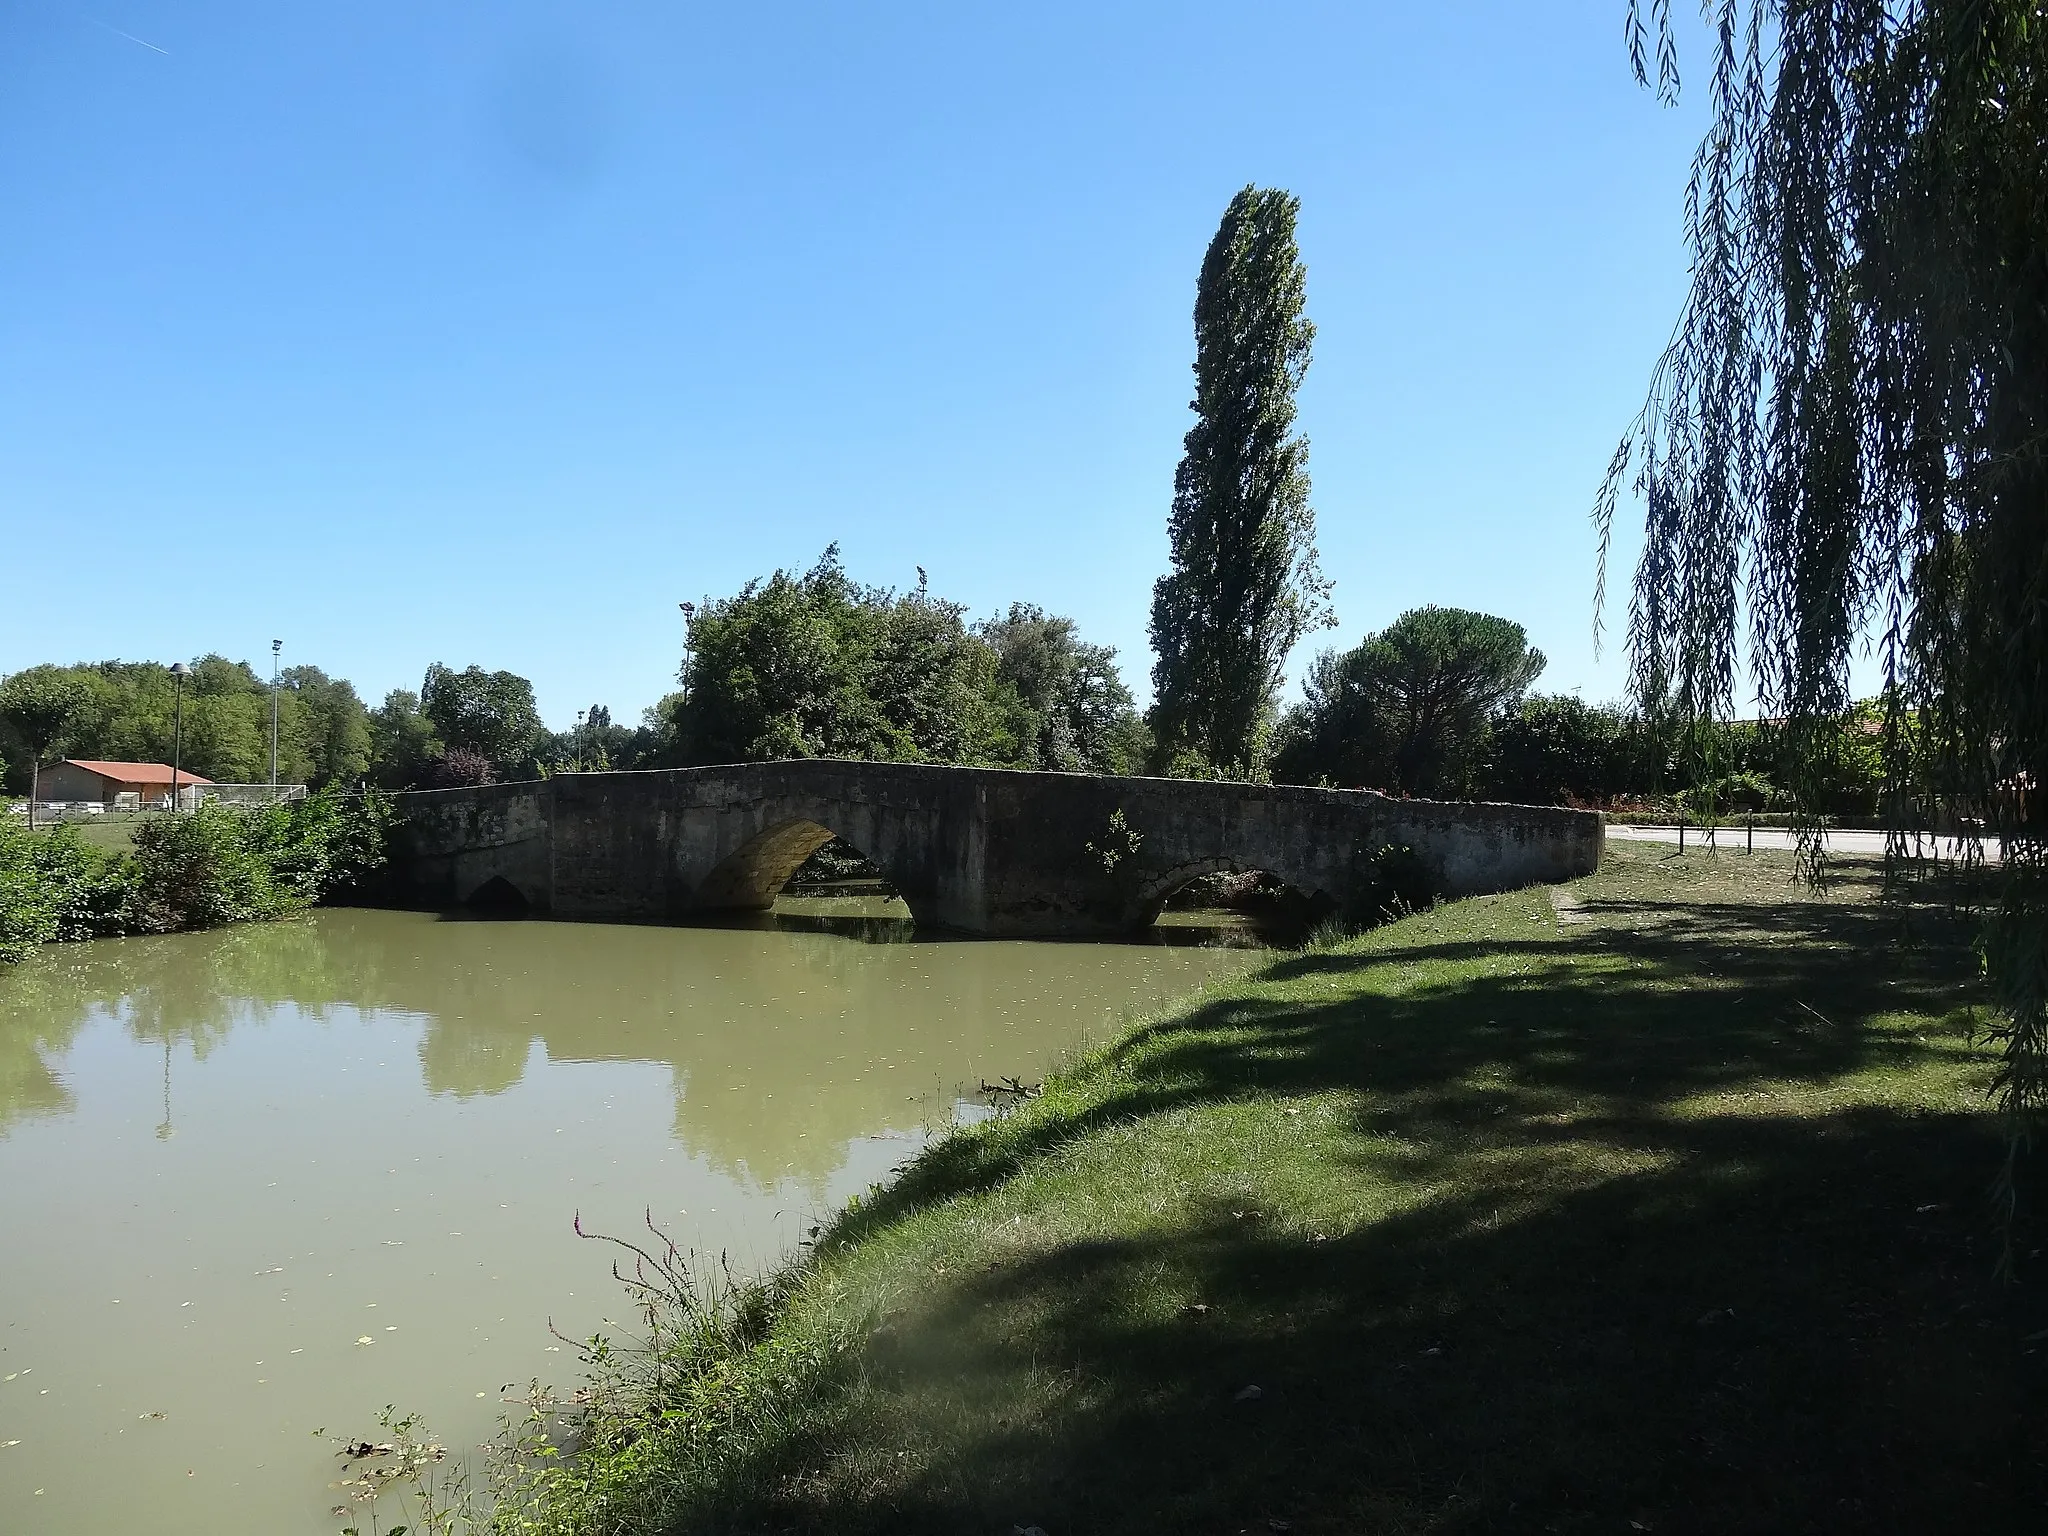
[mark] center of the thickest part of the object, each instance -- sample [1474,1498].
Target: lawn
[1657,1202]
[109,834]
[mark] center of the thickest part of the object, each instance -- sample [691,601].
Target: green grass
[1667,1210]
[109,834]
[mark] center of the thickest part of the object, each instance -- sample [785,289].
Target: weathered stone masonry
[976,850]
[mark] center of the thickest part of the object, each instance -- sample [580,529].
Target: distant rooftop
[136,773]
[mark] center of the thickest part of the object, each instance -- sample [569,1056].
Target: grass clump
[1654,1202]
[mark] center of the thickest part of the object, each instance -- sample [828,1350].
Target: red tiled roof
[136,773]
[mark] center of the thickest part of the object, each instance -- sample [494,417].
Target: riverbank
[1658,1202]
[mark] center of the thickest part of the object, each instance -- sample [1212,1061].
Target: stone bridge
[975,850]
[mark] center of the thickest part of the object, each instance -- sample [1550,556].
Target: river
[263,1181]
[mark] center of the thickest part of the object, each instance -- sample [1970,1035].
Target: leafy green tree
[403,742]
[1412,708]
[1244,584]
[1068,708]
[227,720]
[595,744]
[1557,748]
[323,729]
[1849,431]
[491,714]
[930,682]
[38,707]
[658,739]
[819,666]
[129,717]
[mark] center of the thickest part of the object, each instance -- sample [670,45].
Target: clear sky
[416,330]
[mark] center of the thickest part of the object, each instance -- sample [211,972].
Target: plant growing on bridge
[1245,584]
[1849,431]
[1119,841]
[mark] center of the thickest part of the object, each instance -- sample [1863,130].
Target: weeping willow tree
[1846,441]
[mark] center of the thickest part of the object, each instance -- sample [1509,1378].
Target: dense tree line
[790,666]
[819,665]
[123,711]
[126,711]
[1436,706]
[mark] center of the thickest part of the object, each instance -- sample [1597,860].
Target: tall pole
[178,671]
[275,647]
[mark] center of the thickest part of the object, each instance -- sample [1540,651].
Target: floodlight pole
[179,671]
[275,647]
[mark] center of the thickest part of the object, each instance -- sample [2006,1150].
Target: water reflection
[275,1177]
[783,1038]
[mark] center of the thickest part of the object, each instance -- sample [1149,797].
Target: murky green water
[265,1180]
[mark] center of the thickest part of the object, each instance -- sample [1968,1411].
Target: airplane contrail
[152,47]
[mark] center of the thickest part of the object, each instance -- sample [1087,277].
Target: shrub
[202,870]
[54,887]
[215,866]
[460,768]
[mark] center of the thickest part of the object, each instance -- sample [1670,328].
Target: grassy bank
[1659,1203]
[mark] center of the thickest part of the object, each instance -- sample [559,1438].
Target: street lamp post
[275,647]
[179,671]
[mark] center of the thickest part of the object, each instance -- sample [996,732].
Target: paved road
[1775,837]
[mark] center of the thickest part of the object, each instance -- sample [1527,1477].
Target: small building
[85,779]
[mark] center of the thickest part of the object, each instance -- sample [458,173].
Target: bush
[1557,748]
[54,887]
[215,866]
[201,871]
[323,846]
[1734,792]
[460,768]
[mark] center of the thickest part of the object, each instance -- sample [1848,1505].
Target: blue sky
[485,332]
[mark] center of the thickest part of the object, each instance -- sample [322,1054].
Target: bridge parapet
[976,850]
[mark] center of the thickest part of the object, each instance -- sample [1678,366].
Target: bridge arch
[1159,888]
[499,897]
[754,874]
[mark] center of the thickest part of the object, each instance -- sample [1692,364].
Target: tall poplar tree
[1245,585]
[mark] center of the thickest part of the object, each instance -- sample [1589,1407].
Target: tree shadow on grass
[1649,1002]
[1739,1342]
[1652,1268]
